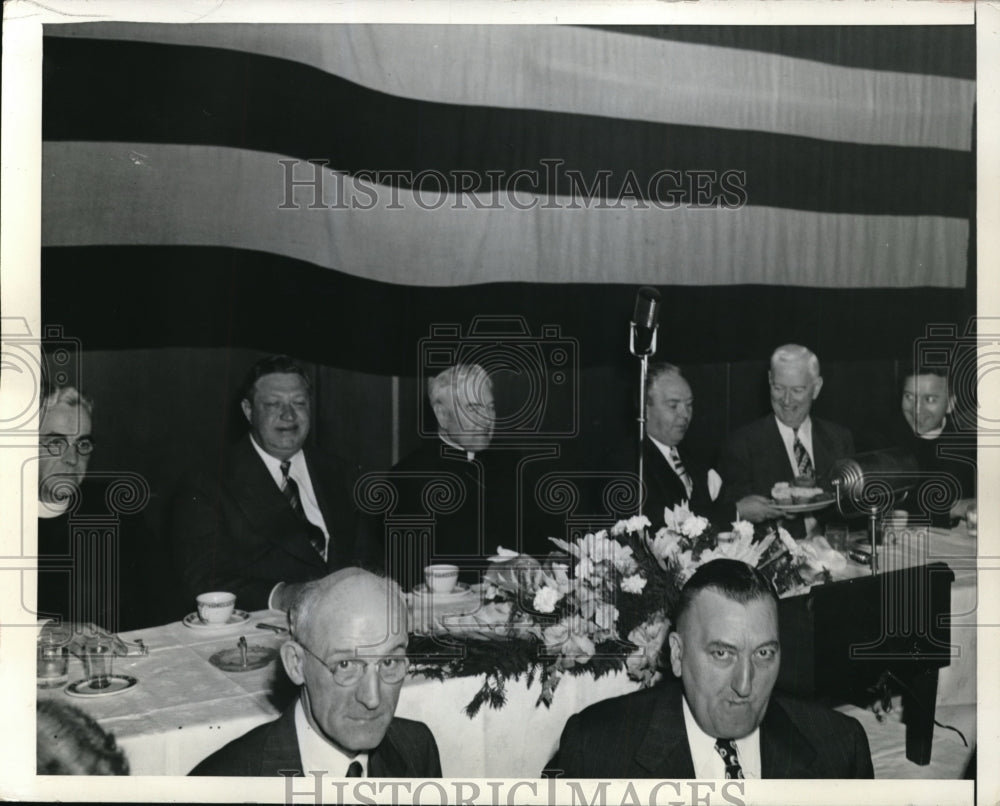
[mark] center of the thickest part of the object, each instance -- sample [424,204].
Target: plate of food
[792,498]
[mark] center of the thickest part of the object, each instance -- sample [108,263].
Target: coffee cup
[441,578]
[216,607]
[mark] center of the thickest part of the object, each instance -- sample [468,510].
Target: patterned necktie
[802,459]
[290,489]
[354,769]
[679,468]
[726,749]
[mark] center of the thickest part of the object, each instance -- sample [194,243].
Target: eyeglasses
[347,672]
[58,445]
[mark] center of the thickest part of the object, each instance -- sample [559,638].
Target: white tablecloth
[183,708]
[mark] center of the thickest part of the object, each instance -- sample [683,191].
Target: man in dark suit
[465,486]
[347,653]
[273,512]
[784,446]
[671,473]
[720,720]
[944,455]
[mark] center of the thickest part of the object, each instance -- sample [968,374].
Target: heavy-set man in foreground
[347,654]
[719,720]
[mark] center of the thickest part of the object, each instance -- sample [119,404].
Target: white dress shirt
[299,472]
[708,764]
[805,437]
[318,755]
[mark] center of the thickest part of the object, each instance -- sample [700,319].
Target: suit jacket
[664,487]
[642,735]
[408,750]
[469,522]
[234,530]
[754,458]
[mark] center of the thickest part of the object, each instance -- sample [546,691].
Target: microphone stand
[643,356]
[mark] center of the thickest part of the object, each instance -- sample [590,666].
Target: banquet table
[183,708]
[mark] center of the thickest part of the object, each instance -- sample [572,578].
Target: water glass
[98,658]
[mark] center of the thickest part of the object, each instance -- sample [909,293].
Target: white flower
[503,555]
[693,526]
[665,543]
[634,583]
[605,616]
[743,529]
[648,638]
[637,523]
[546,599]
[584,568]
[675,517]
[619,528]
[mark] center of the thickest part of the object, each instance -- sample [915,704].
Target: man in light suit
[720,720]
[785,445]
[274,512]
[347,653]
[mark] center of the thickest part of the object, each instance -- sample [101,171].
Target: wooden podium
[839,641]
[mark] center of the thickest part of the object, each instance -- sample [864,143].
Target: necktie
[679,468]
[290,489]
[802,459]
[726,749]
[354,769]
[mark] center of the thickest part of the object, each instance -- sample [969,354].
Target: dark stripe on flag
[942,50]
[102,90]
[190,296]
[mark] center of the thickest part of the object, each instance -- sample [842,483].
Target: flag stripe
[595,72]
[189,296]
[395,237]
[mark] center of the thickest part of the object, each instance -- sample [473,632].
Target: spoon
[243,650]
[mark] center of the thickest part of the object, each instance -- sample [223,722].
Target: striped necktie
[680,470]
[290,489]
[726,749]
[802,459]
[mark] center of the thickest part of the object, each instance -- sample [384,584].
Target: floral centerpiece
[602,604]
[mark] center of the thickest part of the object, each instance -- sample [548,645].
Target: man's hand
[757,508]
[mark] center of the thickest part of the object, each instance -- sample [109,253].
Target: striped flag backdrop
[333,190]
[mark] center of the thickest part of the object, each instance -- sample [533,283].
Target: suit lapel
[784,751]
[779,456]
[662,482]
[253,488]
[340,547]
[281,746]
[664,750]
[822,449]
[386,761]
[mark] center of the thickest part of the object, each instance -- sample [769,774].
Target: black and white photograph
[511,403]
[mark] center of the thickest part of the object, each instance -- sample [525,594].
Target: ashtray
[232,660]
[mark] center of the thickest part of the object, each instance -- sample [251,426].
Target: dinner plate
[460,592]
[238,617]
[85,688]
[809,506]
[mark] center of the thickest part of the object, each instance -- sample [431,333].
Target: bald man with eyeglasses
[347,655]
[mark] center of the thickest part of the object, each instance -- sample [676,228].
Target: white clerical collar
[319,755]
[469,455]
[936,432]
[297,462]
[47,509]
[708,764]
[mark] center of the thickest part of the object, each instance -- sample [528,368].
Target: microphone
[645,321]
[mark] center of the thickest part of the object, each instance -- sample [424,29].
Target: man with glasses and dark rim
[68,589]
[347,654]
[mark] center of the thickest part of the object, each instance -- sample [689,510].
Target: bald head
[349,618]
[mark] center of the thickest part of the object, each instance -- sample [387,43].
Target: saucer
[460,591]
[84,688]
[238,617]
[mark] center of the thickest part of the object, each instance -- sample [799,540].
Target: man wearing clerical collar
[462,400]
[943,454]
[719,718]
[66,441]
[786,446]
[347,654]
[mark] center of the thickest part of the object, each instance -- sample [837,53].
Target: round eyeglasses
[57,445]
[348,671]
